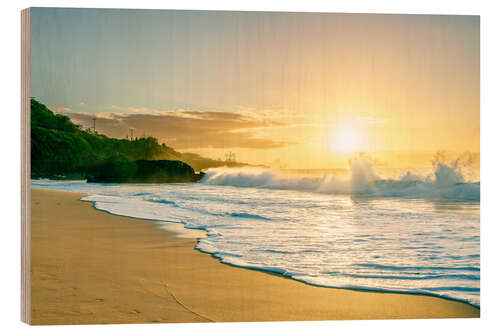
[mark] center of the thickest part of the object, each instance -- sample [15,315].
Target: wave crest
[446,181]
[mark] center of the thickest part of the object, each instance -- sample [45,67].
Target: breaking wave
[447,181]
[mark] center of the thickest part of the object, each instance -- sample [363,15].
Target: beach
[88,266]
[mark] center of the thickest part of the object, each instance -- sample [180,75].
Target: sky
[294,90]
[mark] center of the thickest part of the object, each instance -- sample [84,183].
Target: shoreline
[183,232]
[367,290]
[90,266]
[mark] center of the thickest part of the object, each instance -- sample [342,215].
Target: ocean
[410,232]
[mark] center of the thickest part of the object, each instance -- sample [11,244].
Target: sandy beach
[89,266]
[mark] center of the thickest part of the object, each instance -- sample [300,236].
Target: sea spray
[363,177]
[446,181]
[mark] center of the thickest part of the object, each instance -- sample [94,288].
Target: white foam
[447,181]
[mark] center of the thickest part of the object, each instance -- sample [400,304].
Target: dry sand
[88,266]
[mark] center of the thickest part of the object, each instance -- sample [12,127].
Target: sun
[347,140]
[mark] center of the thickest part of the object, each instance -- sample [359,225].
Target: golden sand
[88,266]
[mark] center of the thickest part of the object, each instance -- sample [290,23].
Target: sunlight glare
[347,139]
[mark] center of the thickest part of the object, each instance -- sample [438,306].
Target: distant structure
[230,157]
[131,134]
[93,124]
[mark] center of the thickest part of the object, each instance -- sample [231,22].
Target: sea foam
[446,181]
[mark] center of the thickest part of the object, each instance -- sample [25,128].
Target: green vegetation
[144,171]
[61,149]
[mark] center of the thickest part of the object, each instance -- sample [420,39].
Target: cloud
[262,115]
[109,115]
[60,109]
[183,129]
[181,113]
